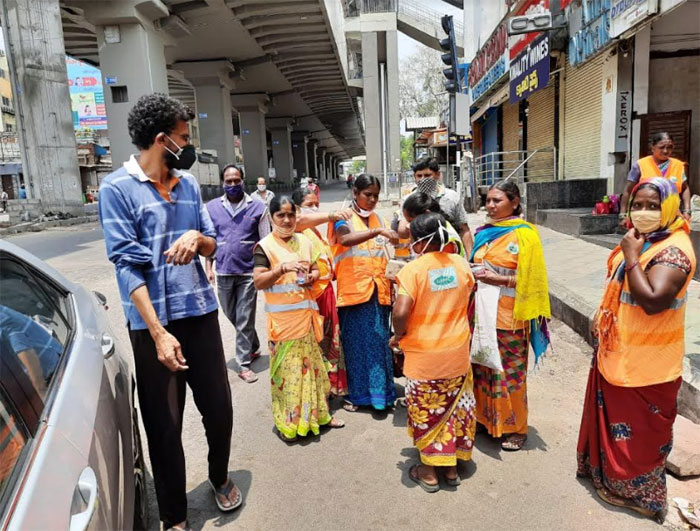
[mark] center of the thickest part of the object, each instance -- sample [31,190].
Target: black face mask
[182,159]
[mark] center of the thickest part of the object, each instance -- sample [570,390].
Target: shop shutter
[582,119]
[540,134]
[511,126]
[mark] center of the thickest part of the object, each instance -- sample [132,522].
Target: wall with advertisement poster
[86,95]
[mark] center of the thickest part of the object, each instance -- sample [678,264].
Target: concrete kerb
[41,225]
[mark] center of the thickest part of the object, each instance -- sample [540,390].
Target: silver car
[70,450]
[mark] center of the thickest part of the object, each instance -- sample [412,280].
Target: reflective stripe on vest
[284,288]
[627,298]
[356,253]
[303,305]
[506,271]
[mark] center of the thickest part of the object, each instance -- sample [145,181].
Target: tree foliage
[406,152]
[420,84]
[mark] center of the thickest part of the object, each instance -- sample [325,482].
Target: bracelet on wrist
[631,267]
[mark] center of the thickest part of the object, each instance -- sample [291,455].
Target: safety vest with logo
[437,332]
[291,309]
[649,348]
[674,173]
[362,267]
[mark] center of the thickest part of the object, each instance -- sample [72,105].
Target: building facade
[583,101]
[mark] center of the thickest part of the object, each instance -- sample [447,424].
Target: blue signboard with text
[529,70]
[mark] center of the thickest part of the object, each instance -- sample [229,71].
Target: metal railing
[355,8]
[522,166]
[410,8]
[418,11]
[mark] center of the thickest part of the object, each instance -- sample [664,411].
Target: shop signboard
[490,64]
[626,14]
[529,71]
[86,95]
[517,43]
[589,30]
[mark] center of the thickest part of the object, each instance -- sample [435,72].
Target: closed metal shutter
[540,134]
[582,119]
[511,127]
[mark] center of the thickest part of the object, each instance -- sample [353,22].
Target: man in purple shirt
[240,222]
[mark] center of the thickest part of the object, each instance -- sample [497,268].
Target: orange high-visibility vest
[674,173]
[402,251]
[439,284]
[324,261]
[436,344]
[650,348]
[360,268]
[291,309]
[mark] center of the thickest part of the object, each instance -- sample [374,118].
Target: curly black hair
[155,113]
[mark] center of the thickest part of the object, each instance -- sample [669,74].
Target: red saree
[331,346]
[626,434]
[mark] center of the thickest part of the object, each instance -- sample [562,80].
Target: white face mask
[309,210]
[262,188]
[361,211]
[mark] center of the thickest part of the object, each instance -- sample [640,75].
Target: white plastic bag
[484,349]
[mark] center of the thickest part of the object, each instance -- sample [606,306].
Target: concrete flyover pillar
[321,153]
[371,101]
[393,139]
[37,56]
[132,61]
[212,85]
[299,153]
[329,166]
[281,133]
[251,113]
[312,156]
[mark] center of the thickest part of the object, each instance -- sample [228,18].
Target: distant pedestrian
[627,426]
[364,298]
[285,269]
[429,180]
[22,192]
[3,199]
[432,328]
[155,228]
[262,193]
[659,164]
[240,223]
[314,187]
[511,252]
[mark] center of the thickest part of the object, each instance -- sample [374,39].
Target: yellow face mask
[646,221]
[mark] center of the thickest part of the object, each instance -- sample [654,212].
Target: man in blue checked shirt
[155,228]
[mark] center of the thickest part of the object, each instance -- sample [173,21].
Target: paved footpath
[356,478]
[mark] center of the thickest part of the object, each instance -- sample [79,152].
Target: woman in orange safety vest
[364,297]
[627,425]
[432,328]
[659,164]
[285,269]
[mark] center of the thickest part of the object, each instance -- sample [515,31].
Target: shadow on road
[199,516]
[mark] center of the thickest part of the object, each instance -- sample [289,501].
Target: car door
[72,471]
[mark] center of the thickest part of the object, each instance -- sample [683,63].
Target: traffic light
[453,83]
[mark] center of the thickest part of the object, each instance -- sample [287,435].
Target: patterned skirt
[441,419]
[626,434]
[331,347]
[299,386]
[501,397]
[364,331]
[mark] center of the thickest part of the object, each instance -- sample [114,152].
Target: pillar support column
[251,112]
[299,153]
[212,85]
[36,57]
[281,132]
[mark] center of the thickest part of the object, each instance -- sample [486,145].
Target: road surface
[356,478]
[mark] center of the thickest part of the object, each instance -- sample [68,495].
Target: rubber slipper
[511,446]
[616,501]
[453,482]
[248,376]
[352,408]
[225,491]
[336,424]
[284,438]
[427,487]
